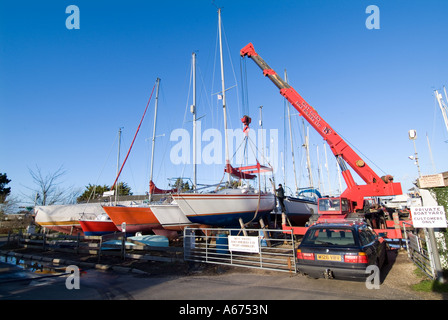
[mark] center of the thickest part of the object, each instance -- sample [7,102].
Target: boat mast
[262,142]
[223,92]
[193,111]
[320,184]
[308,160]
[154,136]
[338,168]
[442,106]
[290,138]
[118,164]
[328,169]
[430,154]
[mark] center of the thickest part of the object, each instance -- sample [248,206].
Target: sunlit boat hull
[225,208]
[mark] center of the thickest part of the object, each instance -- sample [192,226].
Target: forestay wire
[135,136]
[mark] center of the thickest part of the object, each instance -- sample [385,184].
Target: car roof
[339,224]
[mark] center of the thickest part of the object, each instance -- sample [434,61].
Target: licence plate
[329,257]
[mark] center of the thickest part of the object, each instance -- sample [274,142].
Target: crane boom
[375,186]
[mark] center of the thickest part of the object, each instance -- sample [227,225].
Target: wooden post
[266,237]
[243,228]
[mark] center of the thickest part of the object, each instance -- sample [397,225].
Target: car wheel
[377,262]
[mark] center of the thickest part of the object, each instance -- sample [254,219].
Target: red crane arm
[375,185]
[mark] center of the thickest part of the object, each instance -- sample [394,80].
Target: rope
[135,136]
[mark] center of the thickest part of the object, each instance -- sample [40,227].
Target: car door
[367,241]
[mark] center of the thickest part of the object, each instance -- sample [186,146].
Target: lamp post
[433,252]
[413,137]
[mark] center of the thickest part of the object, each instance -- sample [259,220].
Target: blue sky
[65,93]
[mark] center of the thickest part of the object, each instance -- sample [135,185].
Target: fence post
[99,249]
[206,246]
[406,239]
[77,242]
[43,241]
[19,237]
[123,246]
[396,220]
[434,254]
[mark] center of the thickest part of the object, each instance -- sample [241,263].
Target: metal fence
[419,249]
[268,249]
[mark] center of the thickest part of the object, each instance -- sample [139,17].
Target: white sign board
[428,217]
[244,244]
[433,180]
[413,242]
[108,193]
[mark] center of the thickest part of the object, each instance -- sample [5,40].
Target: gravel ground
[401,275]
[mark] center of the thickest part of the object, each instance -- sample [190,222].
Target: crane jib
[375,186]
[313,117]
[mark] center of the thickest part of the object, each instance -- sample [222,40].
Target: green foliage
[431,286]
[181,185]
[441,195]
[124,189]
[4,192]
[96,191]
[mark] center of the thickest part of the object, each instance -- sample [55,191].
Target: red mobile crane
[352,199]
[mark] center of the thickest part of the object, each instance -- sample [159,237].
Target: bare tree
[47,190]
[10,205]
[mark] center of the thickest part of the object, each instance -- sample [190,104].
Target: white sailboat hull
[65,218]
[226,207]
[171,216]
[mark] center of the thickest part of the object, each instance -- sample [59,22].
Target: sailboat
[170,216]
[102,223]
[300,207]
[227,207]
[99,226]
[66,218]
[162,217]
[135,218]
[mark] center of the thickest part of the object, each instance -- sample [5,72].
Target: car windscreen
[329,237]
[329,204]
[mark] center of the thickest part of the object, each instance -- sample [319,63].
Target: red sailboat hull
[97,227]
